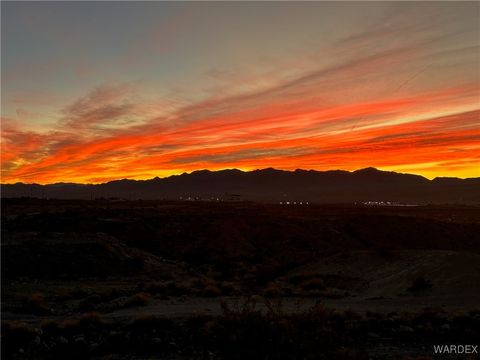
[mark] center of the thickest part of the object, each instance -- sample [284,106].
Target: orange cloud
[321,120]
[276,140]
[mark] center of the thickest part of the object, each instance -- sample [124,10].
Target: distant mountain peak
[270,185]
[368,170]
[269,170]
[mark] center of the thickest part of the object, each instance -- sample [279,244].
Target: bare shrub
[37,304]
[313,284]
[140,299]
[211,290]
[420,284]
[272,290]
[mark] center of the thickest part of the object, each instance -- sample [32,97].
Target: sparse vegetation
[211,290]
[420,284]
[37,304]
[257,260]
[313,284]
[272,290]
[249,328]
[90,302]
[140,299]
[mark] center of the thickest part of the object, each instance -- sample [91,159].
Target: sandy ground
[185,307]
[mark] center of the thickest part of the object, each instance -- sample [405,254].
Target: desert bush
[385,252]
[50,326]
[211,290]
[228,288]
[351,315]
[78,293]
[90,302]
[170,288]
[245,332]
[140,299]
[63,294]
[240,308]
[274,307]
[320,311]
[420,284]
[66,293]
[434,316]
[37,304]
[86,322]
[148,334]
[143,323]
[154,288]
[269,270]
[373,315]
[272,290]
[92,319]
[225,269]
[470,327]
[15,335]
[313,284]
[298,278]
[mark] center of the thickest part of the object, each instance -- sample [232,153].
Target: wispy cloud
[401,94]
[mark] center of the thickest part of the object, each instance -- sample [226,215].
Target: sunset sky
[96,91]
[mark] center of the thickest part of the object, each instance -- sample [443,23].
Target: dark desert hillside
[270,185]
[236,280]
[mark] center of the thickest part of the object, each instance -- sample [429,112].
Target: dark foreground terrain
[207,280]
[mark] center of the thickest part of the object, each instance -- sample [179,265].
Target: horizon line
[243,171]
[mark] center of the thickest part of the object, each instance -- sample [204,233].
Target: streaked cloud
[398,92]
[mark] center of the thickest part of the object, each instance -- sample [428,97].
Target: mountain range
[269,185]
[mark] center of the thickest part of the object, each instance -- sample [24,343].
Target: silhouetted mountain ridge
[270,185]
